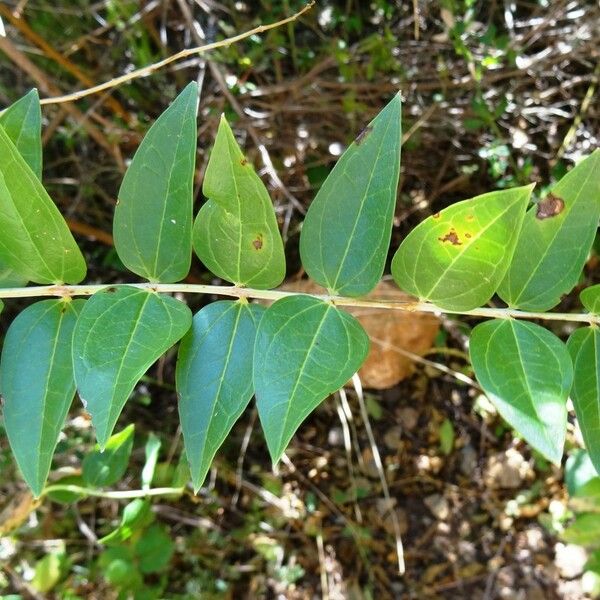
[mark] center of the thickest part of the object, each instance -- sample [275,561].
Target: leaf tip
[191,88]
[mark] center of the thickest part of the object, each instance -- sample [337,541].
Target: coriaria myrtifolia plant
[293,354]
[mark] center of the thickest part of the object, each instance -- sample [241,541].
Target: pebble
[438,505]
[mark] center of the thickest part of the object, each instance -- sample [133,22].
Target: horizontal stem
[241,292]
[115,495]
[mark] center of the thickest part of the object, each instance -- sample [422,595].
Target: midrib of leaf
[124,356]
[595,371]
[164,206]
[22,126]
[358,214]
[49,271]
[547,247]
[48,375]
[27,116]
[461,254]
[47,378]
[525,377]
[272,340]
[595,400]
[227,359]
[238,204]
[271,246]
[138,320]
[301,371]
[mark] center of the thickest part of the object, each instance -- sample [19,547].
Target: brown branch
[23,63]
[148,70]
[19,23]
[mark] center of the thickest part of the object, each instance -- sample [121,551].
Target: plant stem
[67,291]
[148,70]
[115,495]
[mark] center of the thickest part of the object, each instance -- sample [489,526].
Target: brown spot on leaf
[363,135]
[468,236]
[110,290]
[549,207]
[258,242]
[451,237]
[436,215]
[244,162]
[469,217]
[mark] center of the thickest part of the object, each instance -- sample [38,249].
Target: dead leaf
[17,512]
[390,331]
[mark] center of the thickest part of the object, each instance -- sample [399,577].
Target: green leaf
[593,563]
[458,257]
[447,436]
[121,331]
[104,468]
[49,571]
[235,233]
[214,378]
[527,373]
[587,498]
[10,278]
[590,298]
[118,569]
[346,232]
[579,469]
[153,217]
[555,240]
[136,515]
[584,347]
[36,382]
[22,122]
[305,350]
[154,549]
[34,238]
[151,450]
[584,531]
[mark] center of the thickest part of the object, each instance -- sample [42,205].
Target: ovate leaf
[526,372]
[584,347]
[34,238]
[121,331]
[153,217]
[305,350]
[154,549]
[214,378]
[555,241]
[36,383]
[458,257]
[346,232]
[22,122]
[103,468]
[590,298]
[49,571]
[235,233]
